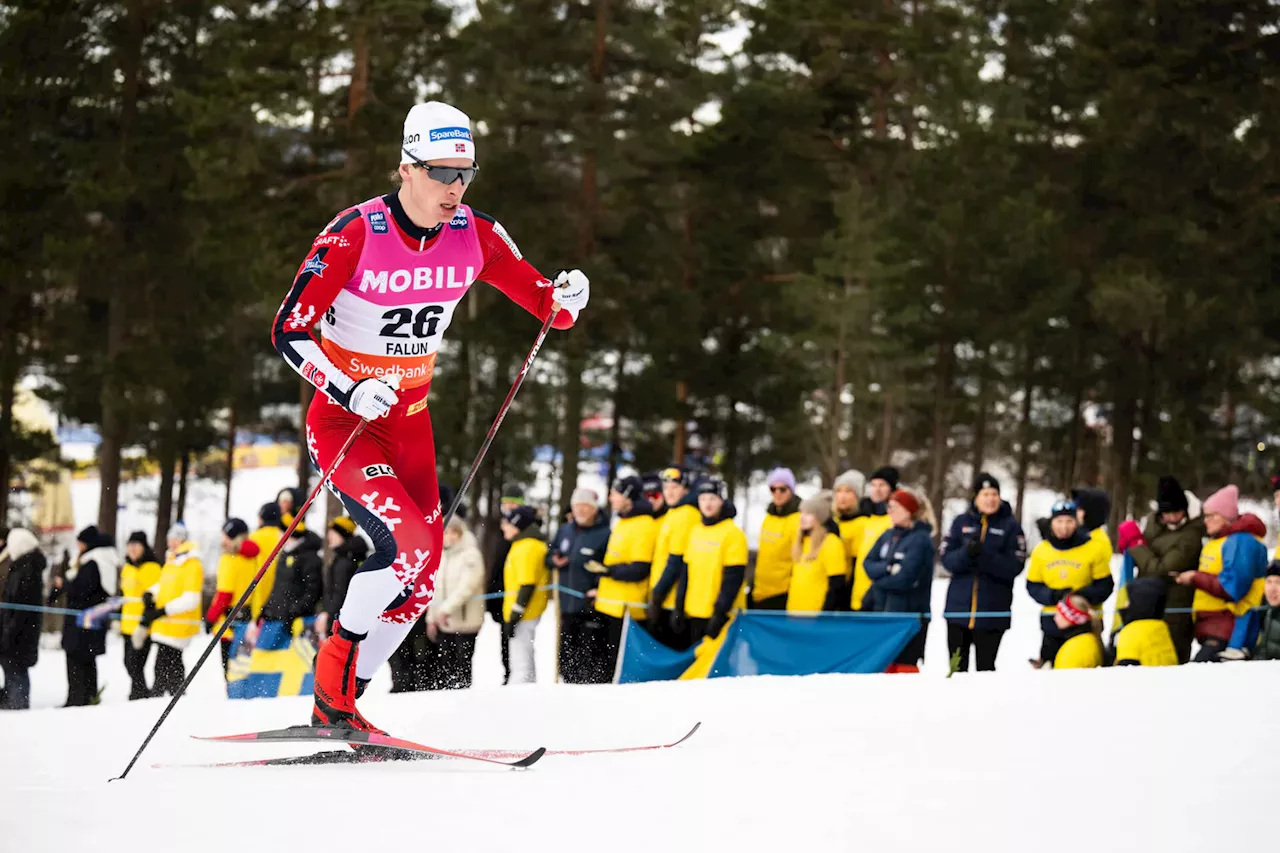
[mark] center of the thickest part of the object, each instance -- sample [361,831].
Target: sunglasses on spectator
[779,489]
[446,174]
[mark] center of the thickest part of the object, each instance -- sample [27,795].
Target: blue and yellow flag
[279,664]
[762,643]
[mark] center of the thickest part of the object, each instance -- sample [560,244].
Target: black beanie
[269,515]
[235,528]
[985,481]
[1273,570]
[713,486]
[521,517]
[139,537]
[887,473]
[631,488]
[1169,496]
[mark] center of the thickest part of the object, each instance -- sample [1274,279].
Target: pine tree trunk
[113,425]
[184,472]
[980,416]
[167,459]
[1120,463]
[615,428]
[112,397]
[886,430]
[575,345]
[9,368]
[1074,437]
[941,422]
[1024,429]
[231,461]
[681,446]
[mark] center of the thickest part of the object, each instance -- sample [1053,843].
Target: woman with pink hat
[1229,581]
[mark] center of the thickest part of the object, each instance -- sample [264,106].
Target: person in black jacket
[299,574]
[349,550]
[985,550]
[582,642]
[20,629]
[90,581]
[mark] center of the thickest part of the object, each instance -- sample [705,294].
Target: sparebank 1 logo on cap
[449,133]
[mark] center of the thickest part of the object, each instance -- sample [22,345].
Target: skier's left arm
[506,269]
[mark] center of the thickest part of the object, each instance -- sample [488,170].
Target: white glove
[572,291]
[371,398]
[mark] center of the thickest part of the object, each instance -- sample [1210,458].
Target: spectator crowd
[667,551]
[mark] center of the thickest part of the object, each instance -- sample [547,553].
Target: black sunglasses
[778,489]
[446,174]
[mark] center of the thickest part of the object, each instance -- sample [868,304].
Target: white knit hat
[19,543]
[436,131]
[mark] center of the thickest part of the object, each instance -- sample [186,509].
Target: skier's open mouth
[449,208]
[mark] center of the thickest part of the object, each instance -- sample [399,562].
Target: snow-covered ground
[1015,760]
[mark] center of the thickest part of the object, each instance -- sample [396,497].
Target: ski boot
[336,685]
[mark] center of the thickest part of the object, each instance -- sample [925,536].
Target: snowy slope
[1015,760]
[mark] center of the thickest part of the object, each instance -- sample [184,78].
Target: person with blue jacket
[582,641]
[900,566]
[984,552]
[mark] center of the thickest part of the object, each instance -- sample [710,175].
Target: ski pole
[502,413]
[297,519]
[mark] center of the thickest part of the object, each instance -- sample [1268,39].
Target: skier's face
[435,203]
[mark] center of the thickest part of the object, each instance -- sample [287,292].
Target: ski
[372,743]
[372,748]
[328,756]
[504,754]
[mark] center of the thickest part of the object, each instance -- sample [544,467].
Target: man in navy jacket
[984,552]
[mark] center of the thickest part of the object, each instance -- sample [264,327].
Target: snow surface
[1014,760]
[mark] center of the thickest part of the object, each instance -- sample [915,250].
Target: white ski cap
[436,131]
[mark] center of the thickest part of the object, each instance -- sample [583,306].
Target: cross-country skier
[382,280]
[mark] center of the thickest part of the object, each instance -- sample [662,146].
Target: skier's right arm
[333,258]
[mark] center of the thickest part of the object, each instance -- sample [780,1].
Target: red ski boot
[335,683]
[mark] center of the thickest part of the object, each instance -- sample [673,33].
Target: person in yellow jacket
[1067,562]
[624,574]
[1081,648]
[667,621]
[525,578]
[875,512]
[1144,638]
[716,557]
[777,535]
[846,512]
[266,537]
[820,560]
[236,569]
[140,572]
[172,609]
[1093,511]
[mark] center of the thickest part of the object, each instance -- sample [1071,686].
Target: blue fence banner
[645,659]
[767,643]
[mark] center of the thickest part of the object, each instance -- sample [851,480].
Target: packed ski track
[1120,759]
